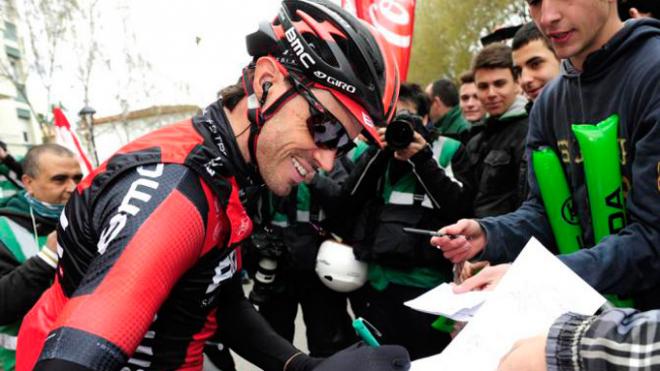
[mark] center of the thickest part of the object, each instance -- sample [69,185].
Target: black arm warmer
[248,334]
[59,365]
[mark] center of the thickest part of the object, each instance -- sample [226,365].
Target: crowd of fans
[459,161]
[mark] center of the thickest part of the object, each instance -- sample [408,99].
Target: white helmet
[338,269]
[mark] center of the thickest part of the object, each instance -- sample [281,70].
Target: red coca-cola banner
[395,19]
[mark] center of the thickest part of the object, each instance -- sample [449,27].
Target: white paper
[442,301]
[535,291]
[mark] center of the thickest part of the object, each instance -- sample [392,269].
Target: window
[21,95]
[23,113]
[13,52]
[10,31]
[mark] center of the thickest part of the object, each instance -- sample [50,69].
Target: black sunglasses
[326,130]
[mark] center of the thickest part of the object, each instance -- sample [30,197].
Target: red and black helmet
[346,56]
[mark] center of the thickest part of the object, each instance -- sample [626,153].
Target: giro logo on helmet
[335,82]
[298,48]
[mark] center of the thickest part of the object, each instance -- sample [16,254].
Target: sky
[194,47]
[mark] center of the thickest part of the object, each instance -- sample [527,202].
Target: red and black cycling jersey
[147,244]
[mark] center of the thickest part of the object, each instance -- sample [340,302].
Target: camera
[269,248]
[400,132]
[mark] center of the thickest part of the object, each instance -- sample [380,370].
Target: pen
[428,232]
[362,327]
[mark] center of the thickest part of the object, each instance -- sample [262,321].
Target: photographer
[419,180]
[284,251]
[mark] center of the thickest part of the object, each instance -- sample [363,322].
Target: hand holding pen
[458,267]
[461,241]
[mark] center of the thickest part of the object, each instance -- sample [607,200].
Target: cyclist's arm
[143,253]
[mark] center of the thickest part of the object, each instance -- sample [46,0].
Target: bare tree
[86,43]
[447,34]
[14,69]
[133,71]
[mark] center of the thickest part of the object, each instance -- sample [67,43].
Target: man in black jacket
[496,154]
[27,264]
[426,184]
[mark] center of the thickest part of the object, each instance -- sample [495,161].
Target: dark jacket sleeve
[450,196]
[247,333]
[13,165]
[363,180]
[507,234]
[327,189]
[21,285]
[618,339]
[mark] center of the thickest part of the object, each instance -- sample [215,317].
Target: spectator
[27,263]
[444,112]
[425,184]
[535,60]
[496,154]
[411,100]
[639,9]
[11,172]
[627,262]
[150,239]
[471,106]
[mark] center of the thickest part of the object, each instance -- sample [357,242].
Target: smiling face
[286,152]
[471,106]
[538,65]
[497,89]
[576,28]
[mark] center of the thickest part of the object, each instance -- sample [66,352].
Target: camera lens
[399,134]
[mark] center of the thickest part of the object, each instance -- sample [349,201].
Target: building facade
[112,132]
[18,126]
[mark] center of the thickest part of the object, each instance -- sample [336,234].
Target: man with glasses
[423,183]
[149,239]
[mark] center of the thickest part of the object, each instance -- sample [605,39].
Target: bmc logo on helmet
[298,48]
[333,81]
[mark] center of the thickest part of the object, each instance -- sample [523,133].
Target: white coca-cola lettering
[392,12]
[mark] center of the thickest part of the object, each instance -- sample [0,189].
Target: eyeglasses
[325,129]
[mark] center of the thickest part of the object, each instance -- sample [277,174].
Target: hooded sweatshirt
[623,77]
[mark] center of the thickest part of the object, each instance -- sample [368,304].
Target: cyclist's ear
[269,80]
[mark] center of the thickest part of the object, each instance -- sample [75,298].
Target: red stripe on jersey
[241,224]
[37,324]
[216,219]
[195,353]
[167,244]
[173,149]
